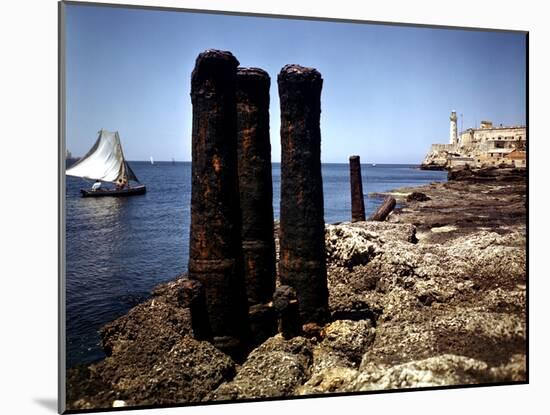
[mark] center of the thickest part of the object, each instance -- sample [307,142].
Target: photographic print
[270,207]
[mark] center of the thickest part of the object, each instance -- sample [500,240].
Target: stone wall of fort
[478,147]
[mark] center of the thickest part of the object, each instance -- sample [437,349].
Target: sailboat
[105,163]
[152,161]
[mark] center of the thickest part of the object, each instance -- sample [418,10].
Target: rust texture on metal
[191,295]
[263,323]
[302,228]
[285,304]
[356,183]
[384,210]
[215,251]
[255,183]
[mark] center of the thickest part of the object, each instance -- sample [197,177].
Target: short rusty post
[191,295]
[302,227]
[388,204]
[263,323]
[255,184]
[215,252]
[285,305]
[356,183]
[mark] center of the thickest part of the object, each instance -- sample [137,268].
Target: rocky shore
[434,296]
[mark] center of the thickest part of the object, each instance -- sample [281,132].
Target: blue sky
[387,94]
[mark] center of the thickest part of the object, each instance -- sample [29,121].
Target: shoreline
[437,292]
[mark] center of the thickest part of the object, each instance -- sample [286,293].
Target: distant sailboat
[152,162]
[105,163]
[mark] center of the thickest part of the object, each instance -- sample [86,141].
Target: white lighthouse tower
[453,139]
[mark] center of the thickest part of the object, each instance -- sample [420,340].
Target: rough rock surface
[418,197]
[347,339]
[488,174]
[186,373]
[461,208]
[449,309]
[338,355]
[435,296]
[152,320]
[441,370]
[273,369]
[152,359]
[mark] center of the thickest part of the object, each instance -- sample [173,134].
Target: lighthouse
[453,139]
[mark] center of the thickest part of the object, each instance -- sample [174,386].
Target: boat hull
[132,191]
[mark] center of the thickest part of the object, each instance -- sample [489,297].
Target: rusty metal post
[215,252]
[356,183]
[255,184]
[286,306]
[191,295]
[302,227]
[256,194]
[384,209]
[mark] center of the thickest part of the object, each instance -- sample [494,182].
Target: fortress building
[494,137]
[485,146]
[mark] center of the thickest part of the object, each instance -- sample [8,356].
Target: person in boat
[96,186]
[122,184]
[105,161]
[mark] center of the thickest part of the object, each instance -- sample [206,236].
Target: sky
[387,93]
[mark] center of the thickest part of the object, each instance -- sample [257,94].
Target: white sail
[105,161]
[152,162]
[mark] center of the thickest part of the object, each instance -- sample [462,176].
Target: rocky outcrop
[443,156]
[488,174]
[152,358]
[435,165]
[337,357]
[444,314]
[347,340]
[186,373]
[434,297]
[459,208]
[441,370]
[435,160]
[274,369]
[417,197]
[348,246]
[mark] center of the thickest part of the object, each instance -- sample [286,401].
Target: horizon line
[273,162]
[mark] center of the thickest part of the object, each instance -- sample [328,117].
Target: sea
[118,249]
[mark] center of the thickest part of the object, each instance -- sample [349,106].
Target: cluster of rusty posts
[232,267]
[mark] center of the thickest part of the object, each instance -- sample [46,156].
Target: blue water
[118,249]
